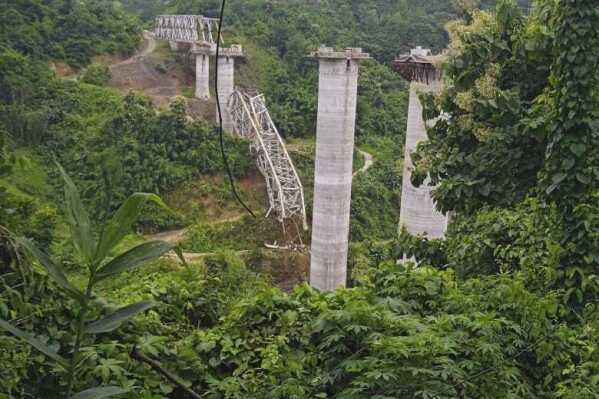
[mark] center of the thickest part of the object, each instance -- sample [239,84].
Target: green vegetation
[94,256]
[97,74]
[110,144]
[512,155]
[403,332]
[498,142]
[67,31]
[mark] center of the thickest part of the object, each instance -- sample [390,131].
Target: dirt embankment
[161,75]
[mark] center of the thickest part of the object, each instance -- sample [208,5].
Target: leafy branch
[95,255]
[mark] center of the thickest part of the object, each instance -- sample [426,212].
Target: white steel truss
[186,28]
[253,122]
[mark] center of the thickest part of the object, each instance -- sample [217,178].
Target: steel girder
[253,122]
[186,28]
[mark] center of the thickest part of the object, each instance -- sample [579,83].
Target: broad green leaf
[134,257]
[78,218]
[120,224]
[485,190]
[568,163]
[98,393]
[530,45]
[578,149]
[114,320]
[558,178]
[584,179]
[53,270]
[36,343]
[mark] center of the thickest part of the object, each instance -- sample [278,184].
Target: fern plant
[95,255]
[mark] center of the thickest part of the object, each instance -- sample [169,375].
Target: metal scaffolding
[252,121]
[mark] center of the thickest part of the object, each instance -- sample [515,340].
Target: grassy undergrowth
[247,233]
[209,198]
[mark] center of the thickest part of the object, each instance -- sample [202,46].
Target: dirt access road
[148,48]
[145,72]
[368,162]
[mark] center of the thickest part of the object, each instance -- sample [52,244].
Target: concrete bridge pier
[337,100]
[419,215]
[202,76]
[418,211]
[226,83]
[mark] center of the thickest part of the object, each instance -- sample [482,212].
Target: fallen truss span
[253,122]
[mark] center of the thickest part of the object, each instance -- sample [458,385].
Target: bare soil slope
[161,75]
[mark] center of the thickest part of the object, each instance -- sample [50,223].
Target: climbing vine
[571,172]
[489,146]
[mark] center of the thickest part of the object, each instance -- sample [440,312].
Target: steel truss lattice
[186,28]
[253,122]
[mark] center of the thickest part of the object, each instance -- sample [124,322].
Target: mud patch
[286,269]
[143,75]
[201,109]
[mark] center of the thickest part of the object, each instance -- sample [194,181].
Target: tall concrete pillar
[337,97]
[202,76]
[418,212]
[226,82]
[226,86]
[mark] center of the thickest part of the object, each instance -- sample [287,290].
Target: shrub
[97,74]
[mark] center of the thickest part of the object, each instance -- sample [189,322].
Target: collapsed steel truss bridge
[193,29]
[253,122]
[250,117]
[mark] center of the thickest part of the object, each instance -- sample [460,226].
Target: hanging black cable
[220,116]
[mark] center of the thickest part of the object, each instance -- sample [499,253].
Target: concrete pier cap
[235,51]
[350,53]
[203,48]
[336,125]
[422,52]
[206,48]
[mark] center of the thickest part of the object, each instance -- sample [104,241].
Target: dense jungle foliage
[111,144]
[67,31]
[505,307]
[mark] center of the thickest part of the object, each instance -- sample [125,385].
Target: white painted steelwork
[186,28]
[252,121]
